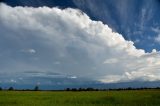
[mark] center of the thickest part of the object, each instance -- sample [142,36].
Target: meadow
[82,98]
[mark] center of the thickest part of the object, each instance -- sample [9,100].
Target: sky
[79,41]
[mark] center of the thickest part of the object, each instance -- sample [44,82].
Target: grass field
[90,98]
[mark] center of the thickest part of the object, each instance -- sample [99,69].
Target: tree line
[113,89]
[36,88]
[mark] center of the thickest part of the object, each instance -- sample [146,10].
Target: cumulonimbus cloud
[81,46]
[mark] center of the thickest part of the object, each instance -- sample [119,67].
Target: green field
[88,98]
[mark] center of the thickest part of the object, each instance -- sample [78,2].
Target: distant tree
[68,89]
[119,89]
[1,89]
[27,89]
[129,88]
[10,88]
[80,89]
[96,89]
[90,89]
[36,88]
[74,89]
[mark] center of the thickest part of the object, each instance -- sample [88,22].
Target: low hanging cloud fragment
[67,41]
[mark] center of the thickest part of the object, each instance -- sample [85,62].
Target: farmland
[83,98]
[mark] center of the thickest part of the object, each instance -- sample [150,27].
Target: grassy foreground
[90,98]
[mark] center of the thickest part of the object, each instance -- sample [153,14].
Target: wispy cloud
[157,31]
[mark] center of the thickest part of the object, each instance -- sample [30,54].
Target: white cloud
[154,51]
[31,51]
[72,77]
[13,81]
[70,37]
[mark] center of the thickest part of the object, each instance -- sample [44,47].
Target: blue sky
[79,41]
